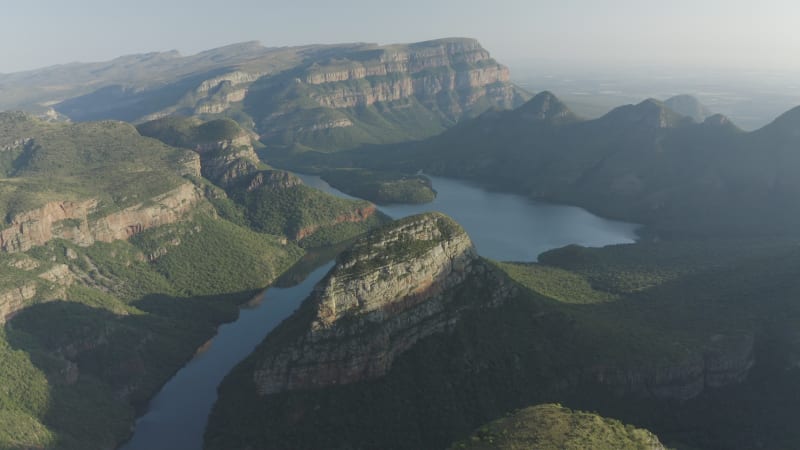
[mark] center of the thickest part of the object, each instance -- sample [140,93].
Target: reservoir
[504,227]
[509,227]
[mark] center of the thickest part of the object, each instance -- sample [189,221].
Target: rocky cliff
[725,361]
[423,70]
[419,89]
[382,297]
[73,221]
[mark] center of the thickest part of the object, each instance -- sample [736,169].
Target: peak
[650,112]
[687,105]
[719,120]
[545,106]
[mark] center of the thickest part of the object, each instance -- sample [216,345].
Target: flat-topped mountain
[412,341]
[318,96]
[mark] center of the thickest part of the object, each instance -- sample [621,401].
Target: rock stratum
[381,298]
[71,220]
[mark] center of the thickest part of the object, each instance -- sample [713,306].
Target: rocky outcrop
[355,216]
[424,70]
[233,78]
[15,299]
[447,79]
[273,179]
[72,221]
[229,163]
[726,360]
[384,295]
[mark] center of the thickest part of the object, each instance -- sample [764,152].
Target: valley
[387,246]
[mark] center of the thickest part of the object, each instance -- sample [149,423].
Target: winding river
[503,226]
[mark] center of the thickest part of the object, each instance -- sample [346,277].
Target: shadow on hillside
[103,366]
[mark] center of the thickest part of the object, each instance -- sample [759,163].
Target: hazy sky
[727,33]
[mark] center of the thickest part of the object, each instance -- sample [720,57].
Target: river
[503,226]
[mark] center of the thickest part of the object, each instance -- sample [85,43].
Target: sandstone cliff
[443,81]
[74,221]
[382,297]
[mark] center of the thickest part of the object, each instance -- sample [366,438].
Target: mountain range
[320,96]
[645,163]
[143,202]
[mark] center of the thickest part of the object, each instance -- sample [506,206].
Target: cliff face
[726,361]
[381,298]
[72,220]
[444,80]
[423,70]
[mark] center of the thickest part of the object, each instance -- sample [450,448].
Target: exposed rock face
[229,162]
[356,215]
[15,299]
[233,78]
[424,70]
[382,297]
[273,179]
[70,220]
[726,361]
[446,80]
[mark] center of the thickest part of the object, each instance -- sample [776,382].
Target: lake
[509,227]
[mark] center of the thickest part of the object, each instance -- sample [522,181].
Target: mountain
[643,163]
[551,427]
[381,94]
[118,259]
[688,106]
[328,97]
[413,341]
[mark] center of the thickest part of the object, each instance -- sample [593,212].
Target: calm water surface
[177,416]
[509,227]
[504,227]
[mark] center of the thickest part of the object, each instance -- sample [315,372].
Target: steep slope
[386,359]
[114,269]
[551,427]
[226,150]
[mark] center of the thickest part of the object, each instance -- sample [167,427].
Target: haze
[718,34]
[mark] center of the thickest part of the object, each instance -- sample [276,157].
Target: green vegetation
[579,313]
[554,427]
[381,187]
[642,163]
[125,168]
[190,132]
[301,212]
[76,369]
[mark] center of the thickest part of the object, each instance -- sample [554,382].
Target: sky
[729,34]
